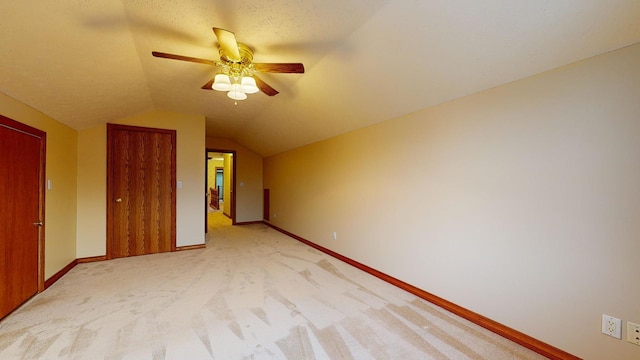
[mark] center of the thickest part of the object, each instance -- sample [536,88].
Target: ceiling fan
[237,74]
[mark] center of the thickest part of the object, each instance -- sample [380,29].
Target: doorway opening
[220,187]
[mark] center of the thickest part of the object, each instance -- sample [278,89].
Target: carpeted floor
[253,293]
[216,219]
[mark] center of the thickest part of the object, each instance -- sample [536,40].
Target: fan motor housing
[246,55]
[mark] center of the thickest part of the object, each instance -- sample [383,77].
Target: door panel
[141,200]
[21,208]
[265,204]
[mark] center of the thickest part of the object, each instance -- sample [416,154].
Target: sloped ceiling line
[86,63]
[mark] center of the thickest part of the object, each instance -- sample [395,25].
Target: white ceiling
[87,62]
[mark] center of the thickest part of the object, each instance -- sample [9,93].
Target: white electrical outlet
[335,236]
[633,333]
[611,326]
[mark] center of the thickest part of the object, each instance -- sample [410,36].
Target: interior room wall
[519,203]
[190,168]
[92,192]
[61,169]
[249,172]
[211,174]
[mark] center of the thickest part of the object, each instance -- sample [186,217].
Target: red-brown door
[22,154]
[265,204]
[141,209]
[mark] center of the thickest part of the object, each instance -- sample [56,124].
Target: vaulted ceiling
[88,62]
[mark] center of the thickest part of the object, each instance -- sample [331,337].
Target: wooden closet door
[22,159]
[140,191]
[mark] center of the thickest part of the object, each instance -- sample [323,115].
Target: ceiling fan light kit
[248,85]
[237,69]
[221,82]
[236,78]
[236,92]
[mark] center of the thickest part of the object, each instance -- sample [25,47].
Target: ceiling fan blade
[296,68]
[183,58]
[264,87]
[228,43]
[208,85]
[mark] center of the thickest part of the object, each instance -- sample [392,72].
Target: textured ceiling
[88,62]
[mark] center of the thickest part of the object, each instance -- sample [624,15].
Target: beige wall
[92,192]
[190,130]
[519,202]
[60,201]
[249,172]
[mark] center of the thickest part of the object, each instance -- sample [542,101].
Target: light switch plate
[633,333]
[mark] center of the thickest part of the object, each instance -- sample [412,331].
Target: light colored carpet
[253,293]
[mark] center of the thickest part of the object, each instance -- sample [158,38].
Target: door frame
[233,184]
[110,186]
[26,129]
